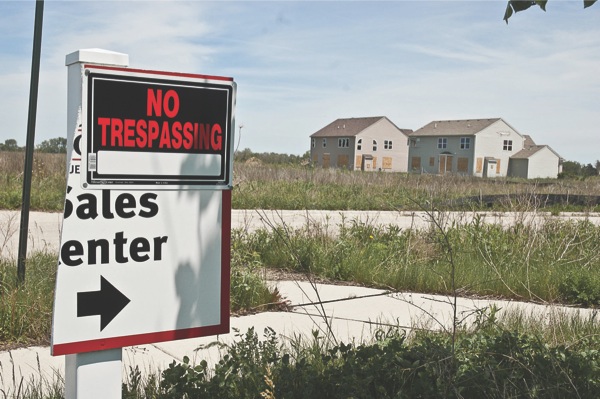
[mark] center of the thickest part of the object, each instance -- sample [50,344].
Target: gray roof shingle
[346,127]
[527,152]
[466,127]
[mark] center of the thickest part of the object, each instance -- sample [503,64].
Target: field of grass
[295,187]
[47,185]
[302,187]
[551,262]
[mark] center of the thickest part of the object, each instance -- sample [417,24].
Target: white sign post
[145,244]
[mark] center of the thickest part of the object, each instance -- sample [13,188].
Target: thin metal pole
[33,95]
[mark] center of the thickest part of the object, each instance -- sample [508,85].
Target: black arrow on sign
[106,303]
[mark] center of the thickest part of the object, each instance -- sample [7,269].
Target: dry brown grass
[295,187]
[44,164]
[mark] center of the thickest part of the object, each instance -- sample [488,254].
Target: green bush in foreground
[491,362]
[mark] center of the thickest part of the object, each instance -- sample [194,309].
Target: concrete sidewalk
[45,227]
[355,313]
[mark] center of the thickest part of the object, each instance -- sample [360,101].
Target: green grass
[556,261]
[303,187]
[47,185]
[487,361]
[26,310]
[295,187]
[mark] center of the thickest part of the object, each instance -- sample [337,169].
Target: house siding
[543,164]
[427,147]
[394,160]
[389,160]
[337,157]
[490,142]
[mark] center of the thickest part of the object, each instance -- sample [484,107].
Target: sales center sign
[145,243]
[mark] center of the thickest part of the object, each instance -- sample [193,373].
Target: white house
[479,147]
[369,144]
[535,162]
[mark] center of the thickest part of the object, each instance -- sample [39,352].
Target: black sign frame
[158,113]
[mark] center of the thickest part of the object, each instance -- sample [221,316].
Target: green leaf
[541,3]
[521,5]
[508,13]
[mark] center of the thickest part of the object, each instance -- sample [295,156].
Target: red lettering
[165,139]
[171,95]
[177,139]
[142,136]
[103,122]
[129,133]
[154,103]
[152,132]
[216,137]
[188,138]
[116,132]
[204,136]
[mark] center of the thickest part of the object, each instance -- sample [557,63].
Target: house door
[490,168]
[445,164]
[367,163]
[326,160]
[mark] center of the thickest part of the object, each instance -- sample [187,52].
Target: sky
[299,65]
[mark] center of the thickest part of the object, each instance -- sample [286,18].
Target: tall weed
[553,261]
[26,309]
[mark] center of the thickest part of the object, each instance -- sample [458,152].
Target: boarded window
[358,162]
[415,163]
[342,161]
[463,165]
[498,167]
[325,160]
[431,161]
[386,163]
[445,165]
[479,166]
[374,162]
[315,158]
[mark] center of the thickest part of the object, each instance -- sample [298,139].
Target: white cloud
[300,65]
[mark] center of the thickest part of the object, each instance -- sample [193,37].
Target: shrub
[489,362]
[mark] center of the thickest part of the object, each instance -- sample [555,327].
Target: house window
[387,144]
[324,143]
[465,143]
[313,142]
[359,144]
[374,145]
[413,142]
[344,142]
[442,142]
[507,146]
